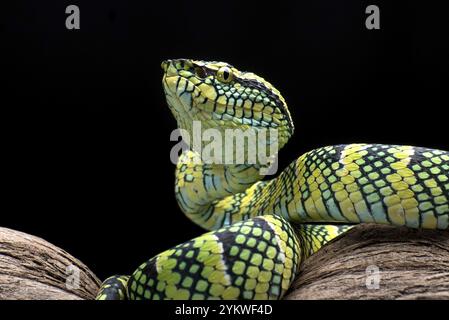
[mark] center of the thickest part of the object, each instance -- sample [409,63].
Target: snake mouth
[169,68]
[178,91]
[183,94]
[181,88]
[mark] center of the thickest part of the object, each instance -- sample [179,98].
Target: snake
[259,230]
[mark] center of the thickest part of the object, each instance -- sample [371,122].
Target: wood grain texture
[33,269]
[413,264]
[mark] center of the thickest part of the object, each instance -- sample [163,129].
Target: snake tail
[114,288]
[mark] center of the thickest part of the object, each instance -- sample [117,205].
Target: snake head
[221,97]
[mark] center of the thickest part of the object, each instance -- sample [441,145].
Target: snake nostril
[200,72]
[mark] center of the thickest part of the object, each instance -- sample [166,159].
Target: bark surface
[368,262]
[34,269]
[405,263]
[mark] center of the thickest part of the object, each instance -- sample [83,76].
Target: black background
[85,130]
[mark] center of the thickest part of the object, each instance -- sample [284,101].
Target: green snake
[262,230]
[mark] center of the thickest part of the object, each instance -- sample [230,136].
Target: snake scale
[261,230]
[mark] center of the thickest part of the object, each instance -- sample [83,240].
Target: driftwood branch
[31,268]
[412,264]
[378,262]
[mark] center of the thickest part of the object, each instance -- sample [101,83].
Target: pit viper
[260,230]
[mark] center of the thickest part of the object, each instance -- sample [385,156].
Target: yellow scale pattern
[254,252]
[399,185]
[114,288]
[253,259]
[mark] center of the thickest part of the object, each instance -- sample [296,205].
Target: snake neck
[216,195]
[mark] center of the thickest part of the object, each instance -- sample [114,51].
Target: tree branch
[412,264]
[33,269]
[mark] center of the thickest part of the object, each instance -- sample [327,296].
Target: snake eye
[224,74]
[200,72]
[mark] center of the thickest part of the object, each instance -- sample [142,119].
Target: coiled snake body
[264,229]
